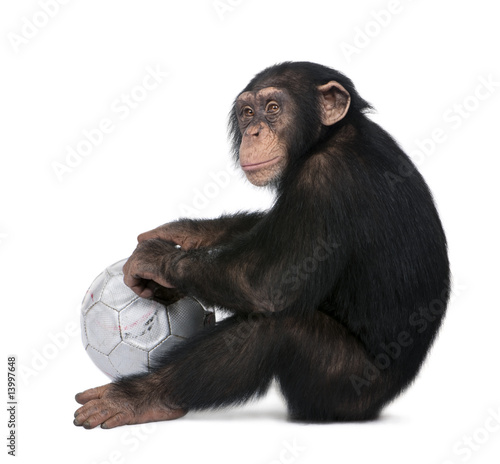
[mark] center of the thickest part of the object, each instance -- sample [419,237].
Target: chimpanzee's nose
[253,130]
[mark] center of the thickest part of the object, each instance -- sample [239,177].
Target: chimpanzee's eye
[272,107]
[247,111]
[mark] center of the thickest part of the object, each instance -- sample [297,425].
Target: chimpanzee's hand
[148,266]
[163,295]
[186,233]
[108,407]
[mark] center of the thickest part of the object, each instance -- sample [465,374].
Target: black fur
[337,291]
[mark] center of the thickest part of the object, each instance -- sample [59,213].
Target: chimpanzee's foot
[107,407]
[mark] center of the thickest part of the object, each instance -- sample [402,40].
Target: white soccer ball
[123,333]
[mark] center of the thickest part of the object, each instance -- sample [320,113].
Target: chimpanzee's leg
[323,377]
[314,359]
[227,364]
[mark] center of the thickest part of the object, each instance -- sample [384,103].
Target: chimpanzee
[336,292]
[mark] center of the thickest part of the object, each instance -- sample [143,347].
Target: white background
[417,66]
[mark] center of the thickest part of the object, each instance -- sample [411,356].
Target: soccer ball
[123,333]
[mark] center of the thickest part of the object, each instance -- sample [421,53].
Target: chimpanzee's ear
[335,101]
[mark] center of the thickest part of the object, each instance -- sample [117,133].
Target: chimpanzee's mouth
[256,166]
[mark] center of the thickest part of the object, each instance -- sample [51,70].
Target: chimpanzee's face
[264,116]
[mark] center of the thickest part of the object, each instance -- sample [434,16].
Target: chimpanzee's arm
[290,257]
[196,233]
